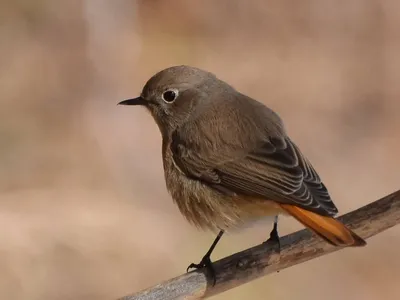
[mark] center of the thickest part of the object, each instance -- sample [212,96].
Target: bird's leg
[274,236]
[206,260]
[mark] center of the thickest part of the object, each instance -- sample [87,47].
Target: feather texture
[276,170]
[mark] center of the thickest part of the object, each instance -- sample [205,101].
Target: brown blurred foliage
[84,213]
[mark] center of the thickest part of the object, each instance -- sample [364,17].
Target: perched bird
[228,159]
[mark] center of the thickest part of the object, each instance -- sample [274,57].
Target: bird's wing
[275,170]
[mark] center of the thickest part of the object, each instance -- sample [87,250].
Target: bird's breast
[208,208]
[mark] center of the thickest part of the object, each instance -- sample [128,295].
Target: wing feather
[275,170]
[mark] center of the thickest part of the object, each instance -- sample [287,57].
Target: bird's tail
[330,229]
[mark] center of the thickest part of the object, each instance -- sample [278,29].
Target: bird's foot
[204,263]
[274,238]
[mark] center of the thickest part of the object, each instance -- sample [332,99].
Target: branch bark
[264,259]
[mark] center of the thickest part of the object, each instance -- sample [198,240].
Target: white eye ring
[170,95]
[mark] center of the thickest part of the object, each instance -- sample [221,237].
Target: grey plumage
[228,159]
[216,137]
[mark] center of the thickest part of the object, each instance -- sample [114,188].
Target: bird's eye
[170,95]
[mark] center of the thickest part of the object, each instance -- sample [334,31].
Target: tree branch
[264,259]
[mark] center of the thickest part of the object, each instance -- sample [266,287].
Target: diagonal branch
[264,259]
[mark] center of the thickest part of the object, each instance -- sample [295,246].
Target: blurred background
[84,212]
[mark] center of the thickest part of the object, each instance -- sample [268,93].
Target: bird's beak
[134,101]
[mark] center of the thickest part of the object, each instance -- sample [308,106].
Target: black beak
[134,101]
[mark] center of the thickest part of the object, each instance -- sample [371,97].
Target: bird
[228,160]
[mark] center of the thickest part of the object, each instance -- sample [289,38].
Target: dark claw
[191,266]
[194,266]
[205,262]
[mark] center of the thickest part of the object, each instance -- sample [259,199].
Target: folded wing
[275,170]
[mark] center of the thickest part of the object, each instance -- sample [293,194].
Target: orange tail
[330,229]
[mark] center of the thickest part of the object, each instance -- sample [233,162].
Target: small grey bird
[228,160]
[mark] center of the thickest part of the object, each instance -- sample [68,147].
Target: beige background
[84,213]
